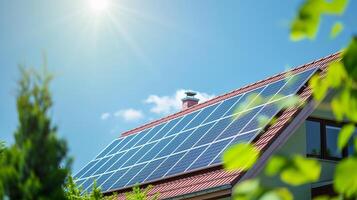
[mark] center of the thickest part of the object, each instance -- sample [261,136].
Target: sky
[129,64]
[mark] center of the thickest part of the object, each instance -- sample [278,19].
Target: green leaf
[278,194]
[291,101]
[350,59]
[275,164]
[336,73]
[345,135]
[335,7]
[336,29]
[302,171]
[324,197]
[345,180]
[246,190]
[240,156]
[319,89]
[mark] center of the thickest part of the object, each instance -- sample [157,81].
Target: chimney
[189,100]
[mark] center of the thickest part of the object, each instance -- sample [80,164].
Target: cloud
[129,114]
[105,116]
[170,104]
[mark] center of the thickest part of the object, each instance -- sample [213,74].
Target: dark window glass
[313,138]
[331,142]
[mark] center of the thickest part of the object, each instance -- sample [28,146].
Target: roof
[215,177]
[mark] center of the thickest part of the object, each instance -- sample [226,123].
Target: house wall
[296,144]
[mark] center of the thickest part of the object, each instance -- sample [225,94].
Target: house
[180,155]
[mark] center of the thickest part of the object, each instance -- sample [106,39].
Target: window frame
[323,139]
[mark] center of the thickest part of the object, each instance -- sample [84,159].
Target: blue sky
[128,65]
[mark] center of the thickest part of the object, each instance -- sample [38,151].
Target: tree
[36,165]
[339,80]
[140,194]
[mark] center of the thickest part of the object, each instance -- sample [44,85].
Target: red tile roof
[195,181]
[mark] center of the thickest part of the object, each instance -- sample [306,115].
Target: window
[321,140]
[331,142]
[313,138]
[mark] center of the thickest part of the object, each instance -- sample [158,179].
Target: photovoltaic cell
[122,159]
[210,154]
[165,166]
[88,183]
[186,160]
[156,149]
[100,180]
[238,123]
[112,179]
[110,162]
[120,145]
[182,123]
[175,143]
[96,166]
[166,129]
[128,175]
[109,148]
[216,130]
[201,116]
[150,134]
[222,108]
[138,154]
[190,142]
[194,137]
[86,168]
[244,102]
[146,171]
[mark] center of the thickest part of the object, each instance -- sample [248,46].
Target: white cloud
[129,114]
[105,116]
[169,104]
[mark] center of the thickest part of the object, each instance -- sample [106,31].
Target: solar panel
[190,142]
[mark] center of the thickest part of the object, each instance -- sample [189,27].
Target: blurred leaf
[337,108]
[345,180]
[350,59]
[319,89]
[240,156]
[335,74]
[307,21]
[263,120]
[275,164]
[243,105]
[335,7]
[336,29]
[345,135]
[278,194]
[324,197]
[302,171]
[247,190]
[291,101]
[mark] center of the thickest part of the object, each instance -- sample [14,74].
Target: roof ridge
[228,95]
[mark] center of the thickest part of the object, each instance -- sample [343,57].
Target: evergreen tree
[36,165]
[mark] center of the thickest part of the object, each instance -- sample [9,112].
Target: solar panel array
[189,142]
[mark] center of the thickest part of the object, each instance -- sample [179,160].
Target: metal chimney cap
[190,93]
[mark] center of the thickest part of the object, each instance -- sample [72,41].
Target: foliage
[307,22]
[252,189]
[345,180]
[73,192]
[35,167]
[340,83]
[247,155]
[141,194]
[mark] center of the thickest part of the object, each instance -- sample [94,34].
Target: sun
[99,6]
